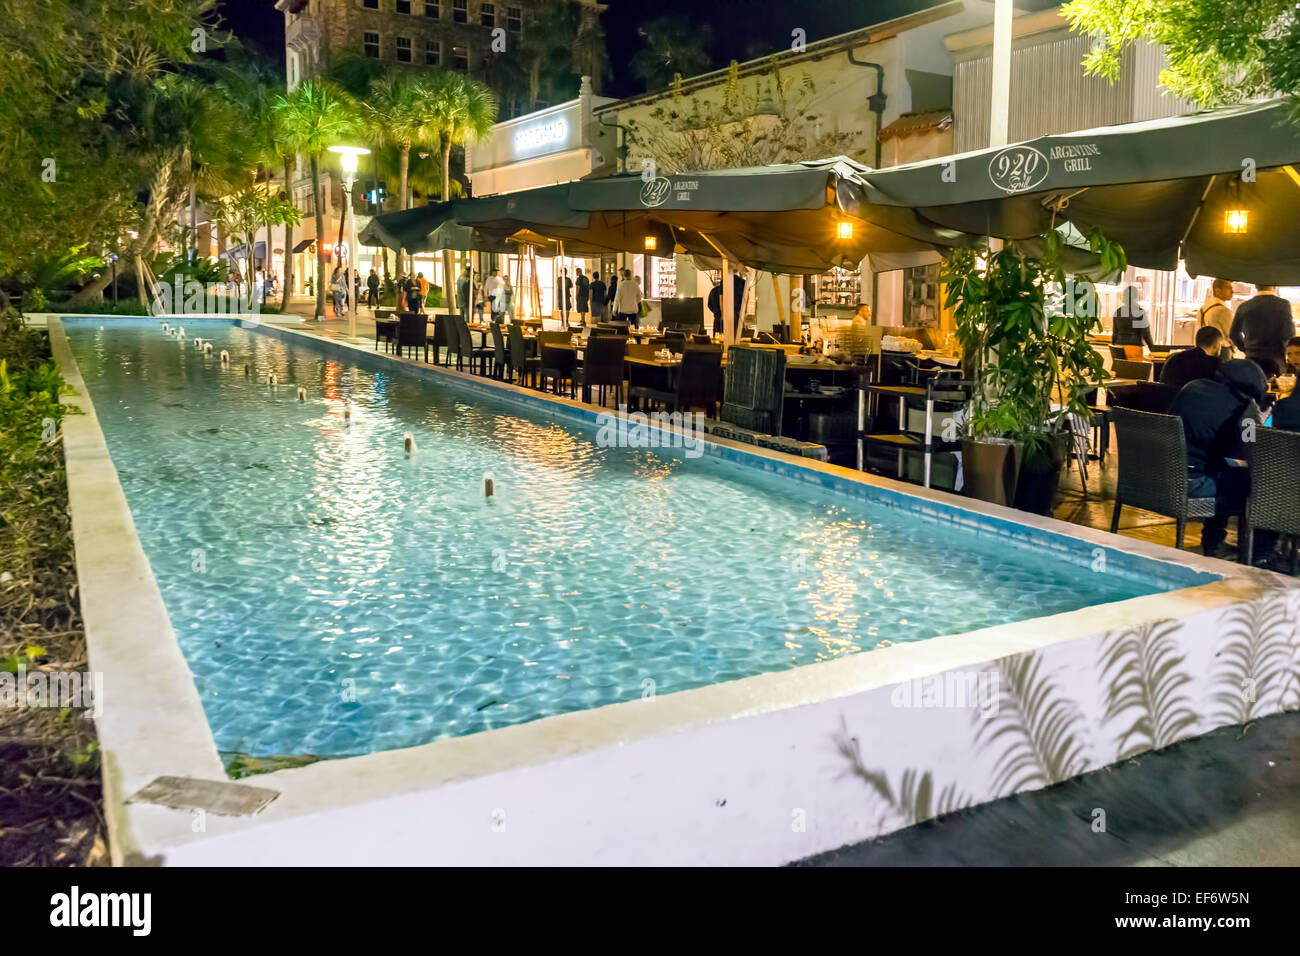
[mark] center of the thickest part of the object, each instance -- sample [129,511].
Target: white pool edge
[558,789]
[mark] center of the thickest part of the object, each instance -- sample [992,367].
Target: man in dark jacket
[1132,327]
[1286,413]
[372,289]
[1262,327]
[1219,415]
[597,293]
[1190,364]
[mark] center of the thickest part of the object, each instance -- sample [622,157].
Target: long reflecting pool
[334,595]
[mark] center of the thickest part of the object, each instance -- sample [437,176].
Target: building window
[370,44]
[432,52]
[431,9]
[488,14]
[404,49]
[460,11]
[404,6]
[370,4]
[460,58]
[514,19]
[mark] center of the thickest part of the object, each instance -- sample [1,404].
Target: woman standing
[627,299]
[508,294]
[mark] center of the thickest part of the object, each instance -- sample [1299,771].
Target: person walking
[1262,327]
[508,296]
[597,293]
[584,296]
[613,292]
[372,289]
[338,291]
[479,297]
[462,293]
[627,300]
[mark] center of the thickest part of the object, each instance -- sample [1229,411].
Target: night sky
[738,27]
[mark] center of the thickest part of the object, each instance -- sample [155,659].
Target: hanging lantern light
[844,229]
[1235,222]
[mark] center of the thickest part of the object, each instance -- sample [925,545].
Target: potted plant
[1023,327]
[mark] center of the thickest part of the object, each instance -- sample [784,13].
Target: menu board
[665,273]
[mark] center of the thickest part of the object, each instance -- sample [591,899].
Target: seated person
[1213,411]
[1292,357]
[1188,365]
[1286,413]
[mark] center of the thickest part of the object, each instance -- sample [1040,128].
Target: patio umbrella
[1160,188]
[785,218]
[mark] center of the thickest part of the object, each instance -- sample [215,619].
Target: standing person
[566,291]
[1131,324]
[1187,365]
[715,306]
[613,292]
[1214,311]
[372,289]
[508,296]
[597,293]
[1214,412]
[414,298]
[493,290]
[627,300]
[424,285]
[1262,327]
[584,295]
[462,293]
[356,287]
[337,290]
[479,297]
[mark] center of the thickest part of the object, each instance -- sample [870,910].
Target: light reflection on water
[354,598]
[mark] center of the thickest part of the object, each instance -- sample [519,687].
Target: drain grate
[212,796]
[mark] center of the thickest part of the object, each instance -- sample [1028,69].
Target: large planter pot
[991,467]
[1039,483]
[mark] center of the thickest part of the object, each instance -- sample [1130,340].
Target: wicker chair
[602,366]
[1274,502]
[412,333]
[1153,471]
[521,363]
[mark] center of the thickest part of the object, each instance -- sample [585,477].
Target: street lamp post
[348,158]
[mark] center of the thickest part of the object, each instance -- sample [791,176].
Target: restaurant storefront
[550,146]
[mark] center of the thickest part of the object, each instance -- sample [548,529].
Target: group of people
[1222,398]
[593,299]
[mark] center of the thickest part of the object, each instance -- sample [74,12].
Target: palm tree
[397,117]
[459,111]
[313,117]
[673,47]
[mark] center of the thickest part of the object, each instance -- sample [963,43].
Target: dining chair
[522,364]
[412,333]
[1152,452]
[602,366]
[1141,371]
[1274,502]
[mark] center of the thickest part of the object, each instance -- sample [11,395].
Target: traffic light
[375,193]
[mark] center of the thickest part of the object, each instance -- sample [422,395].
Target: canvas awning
[782,218]
[1160,188]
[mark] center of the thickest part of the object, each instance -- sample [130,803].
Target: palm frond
[1255,659]
[1037,729]
[1141,666]
[914,802]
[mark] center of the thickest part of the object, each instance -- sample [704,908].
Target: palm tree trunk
[320,236]
[194,225]
[448,280]
[288,240]
[406,198]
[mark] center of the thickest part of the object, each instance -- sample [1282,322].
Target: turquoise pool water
[334,596]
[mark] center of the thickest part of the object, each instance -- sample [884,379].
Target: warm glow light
[844,229]
[1235,221]
[651,243]
[348,156]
